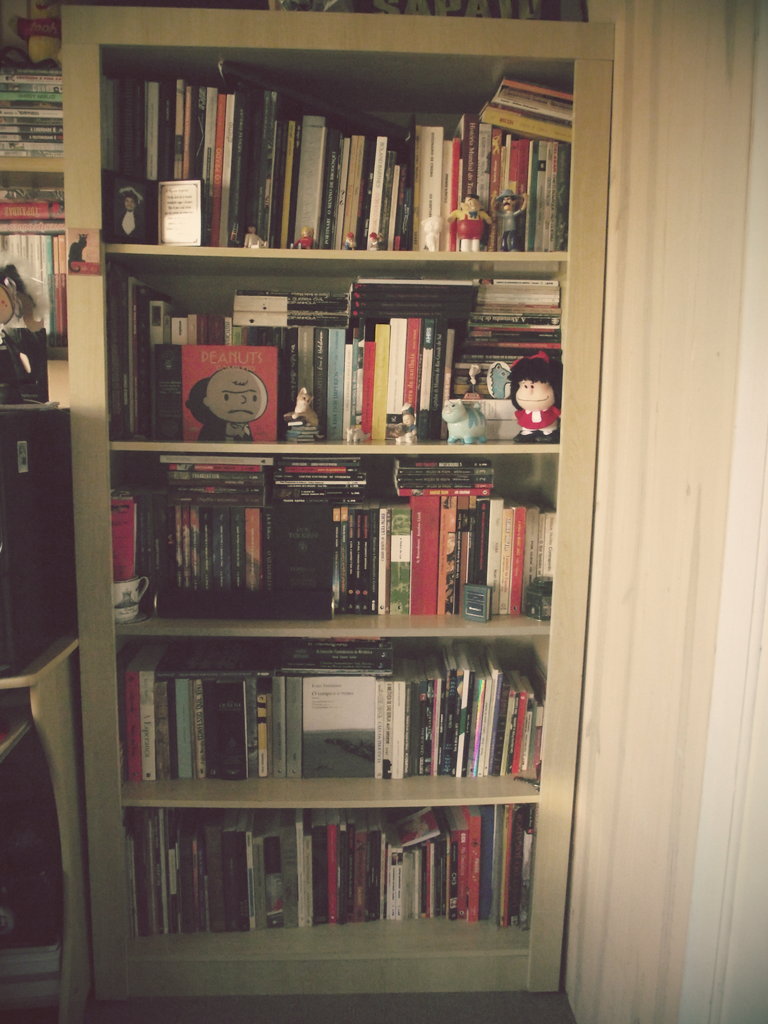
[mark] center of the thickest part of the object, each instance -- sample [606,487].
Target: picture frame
[129,209]
[180,206]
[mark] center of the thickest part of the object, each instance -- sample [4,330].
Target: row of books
[487,160]
[461,712]
[246,870]
[268,168]
[408,350]
[372,557]
[281,169]
[41,260]
[31,116]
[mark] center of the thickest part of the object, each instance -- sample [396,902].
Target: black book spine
[167,393]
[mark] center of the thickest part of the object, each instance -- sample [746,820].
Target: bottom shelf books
[243,870]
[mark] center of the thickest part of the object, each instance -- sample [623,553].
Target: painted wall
[674,277]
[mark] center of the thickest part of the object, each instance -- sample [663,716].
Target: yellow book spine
[530,126]
[380,383]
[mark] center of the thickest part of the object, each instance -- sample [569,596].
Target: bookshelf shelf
[490,448]
[275,961]
[342,625]
[394,67]
[273,793]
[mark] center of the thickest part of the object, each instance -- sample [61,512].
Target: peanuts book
[229,393]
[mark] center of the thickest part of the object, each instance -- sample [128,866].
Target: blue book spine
[184,757]
[335,389]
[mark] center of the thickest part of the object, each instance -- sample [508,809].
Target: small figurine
[406,431]
[303,410]
[349,240]
[374,241]
[251,240]
[509,205]
[303,423]
[535,391]
[430,233]
[356,434]
[466,422]
[473,372]
[306,239]
[472,219]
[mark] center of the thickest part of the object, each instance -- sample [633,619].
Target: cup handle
[143,584]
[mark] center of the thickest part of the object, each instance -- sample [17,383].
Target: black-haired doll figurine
[536,392]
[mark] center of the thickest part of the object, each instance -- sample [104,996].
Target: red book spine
[412,361]
[425,527]
[218,169]
[473,864]
[253,556]
[454,197]
[518,560]
[123,537]
[369,358]
[463,872]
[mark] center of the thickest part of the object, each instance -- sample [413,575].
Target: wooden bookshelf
[435,66]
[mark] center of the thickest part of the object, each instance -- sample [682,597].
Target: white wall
[727,952]
[674,274]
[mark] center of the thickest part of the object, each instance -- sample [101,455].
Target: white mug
[126,595]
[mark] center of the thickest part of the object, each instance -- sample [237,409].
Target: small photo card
[129,209]
[179,217]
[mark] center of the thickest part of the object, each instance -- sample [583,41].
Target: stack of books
[511,319]
[223,479]
[443,477]
[31,115]
[339,479]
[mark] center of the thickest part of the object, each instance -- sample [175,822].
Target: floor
[447,1008]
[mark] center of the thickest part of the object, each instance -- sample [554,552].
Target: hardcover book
[301,547]
[229,393]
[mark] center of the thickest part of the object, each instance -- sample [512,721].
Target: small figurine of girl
[536,389]
[306,239]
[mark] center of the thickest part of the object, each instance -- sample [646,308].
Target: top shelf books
[31,120]
[284,169]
